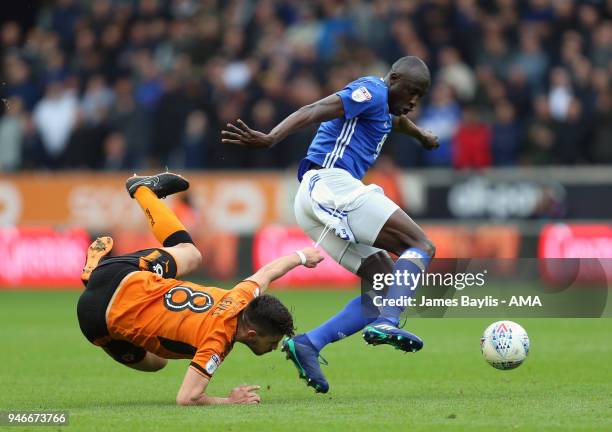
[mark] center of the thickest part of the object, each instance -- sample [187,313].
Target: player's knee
[151,363]
[191,257]
[196,257]
[424,244]
[428,247]
[158,364]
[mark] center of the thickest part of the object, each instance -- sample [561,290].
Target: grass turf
[565,384]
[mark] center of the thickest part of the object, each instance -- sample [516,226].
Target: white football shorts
[342,214]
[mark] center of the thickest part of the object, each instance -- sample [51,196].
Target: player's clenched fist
[244,395]
[313,257]
[428,140]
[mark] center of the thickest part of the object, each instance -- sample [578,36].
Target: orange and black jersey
[176,319]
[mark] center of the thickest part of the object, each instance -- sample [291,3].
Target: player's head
[263,323]
[408,81]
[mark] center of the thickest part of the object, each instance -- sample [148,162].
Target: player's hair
[269,316]
[412,66]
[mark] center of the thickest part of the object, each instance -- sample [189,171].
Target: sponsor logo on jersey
[157,268]
[361,95]
[212,364]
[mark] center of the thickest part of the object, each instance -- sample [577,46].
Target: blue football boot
[383,332]
[306,360]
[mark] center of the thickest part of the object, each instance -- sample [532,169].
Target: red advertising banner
[42,257]
[584,253]
[575,241]
[275,241]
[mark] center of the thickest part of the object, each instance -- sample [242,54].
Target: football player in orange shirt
[136,311]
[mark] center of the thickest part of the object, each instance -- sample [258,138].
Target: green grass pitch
[565,384]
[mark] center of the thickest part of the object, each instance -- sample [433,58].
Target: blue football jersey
[354,142]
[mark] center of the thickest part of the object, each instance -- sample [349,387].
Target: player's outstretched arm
[193,392]
[323,110]
[309,257]
[403,124]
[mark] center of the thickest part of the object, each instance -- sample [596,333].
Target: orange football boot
[99,248]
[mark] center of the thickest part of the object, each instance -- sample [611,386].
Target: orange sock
[166,227]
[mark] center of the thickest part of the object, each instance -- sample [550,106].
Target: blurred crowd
[128,84]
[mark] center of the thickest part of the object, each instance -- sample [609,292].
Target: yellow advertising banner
[230,202]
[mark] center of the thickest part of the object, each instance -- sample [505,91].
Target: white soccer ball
[504,345]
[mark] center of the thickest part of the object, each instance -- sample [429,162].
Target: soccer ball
[504,345]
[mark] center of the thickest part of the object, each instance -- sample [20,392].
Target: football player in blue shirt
[355,123]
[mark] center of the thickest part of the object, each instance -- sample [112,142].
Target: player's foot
[306,360]
[382,332]
[162,184]
[98,249]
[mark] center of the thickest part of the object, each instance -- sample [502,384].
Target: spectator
[11,134]
[601,150]
[19,81]
[570,136]
[505,135]
[540,138]
[114,57]
[125,117]
[194,143]
[520,93]
[54,117]
[149,88]
[441,115]
[531,59]
[494,54]
[63,20]
[304,35]
[84,148]
[87,60]
[472,142]
[10,35]
[457,74]
[96,101]
[170,118]
[538,11]
[602,45]
[115,156]
[334,28]
[560,94]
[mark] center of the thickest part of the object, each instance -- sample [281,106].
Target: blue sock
[348,321]
[410,263]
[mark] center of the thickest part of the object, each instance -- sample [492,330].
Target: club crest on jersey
[361,95]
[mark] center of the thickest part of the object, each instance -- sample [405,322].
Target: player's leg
[166,226]
[133,356]
[304,349]
[151,363]
[365,261]
[375,221]
[400,232]
[402,236]
[91,313]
